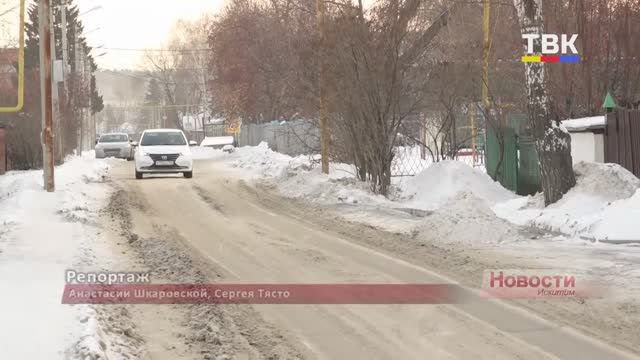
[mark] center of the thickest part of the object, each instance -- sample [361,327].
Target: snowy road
[255,237]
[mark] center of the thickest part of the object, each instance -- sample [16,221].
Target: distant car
[116,145]
[163,151]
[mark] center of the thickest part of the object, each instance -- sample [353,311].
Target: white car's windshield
[113,138]
[163,138]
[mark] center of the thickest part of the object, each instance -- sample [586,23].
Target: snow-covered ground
[42,235]
[602,206]
[480,226]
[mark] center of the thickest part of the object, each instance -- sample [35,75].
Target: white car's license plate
[164,163]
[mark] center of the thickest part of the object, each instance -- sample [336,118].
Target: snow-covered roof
[217,140]
[582,124]
[216,121]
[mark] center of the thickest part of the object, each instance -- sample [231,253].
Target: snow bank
[260,161]
[338,187]
[41,235]
[466,218]
[600,206]
[595,208]
[620,220]
[301,177]
[442,181]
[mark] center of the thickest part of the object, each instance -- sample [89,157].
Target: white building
[587,138]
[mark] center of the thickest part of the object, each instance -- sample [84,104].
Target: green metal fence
[502,157]
[512,158]
[528,166]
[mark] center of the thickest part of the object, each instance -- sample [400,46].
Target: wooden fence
[622,139]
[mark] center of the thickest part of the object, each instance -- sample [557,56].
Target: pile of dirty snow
[467,219]
[442,181]
[596,208]
[260,161]
[301,176]
[340,186]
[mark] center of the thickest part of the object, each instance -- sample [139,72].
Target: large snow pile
[465,218]
[442,181]
[260,161]
[301,176]
[620,220]
[594,208]
[340,186]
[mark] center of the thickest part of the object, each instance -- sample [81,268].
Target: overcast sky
[135,24]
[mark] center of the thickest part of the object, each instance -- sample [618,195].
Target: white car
[114,145]
[163,151]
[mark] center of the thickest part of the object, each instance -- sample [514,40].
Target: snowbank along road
[216,228]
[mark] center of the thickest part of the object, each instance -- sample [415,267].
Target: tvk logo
[553,48]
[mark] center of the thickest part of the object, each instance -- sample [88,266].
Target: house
[587,138]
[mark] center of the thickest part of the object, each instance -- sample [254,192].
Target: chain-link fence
[300,137]
[412,159]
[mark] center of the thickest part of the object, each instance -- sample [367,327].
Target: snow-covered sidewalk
[42,235]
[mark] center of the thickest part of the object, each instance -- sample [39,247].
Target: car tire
[188,174]
[138,175]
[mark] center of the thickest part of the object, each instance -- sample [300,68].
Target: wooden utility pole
[46,90]
[486,49]
[55,90]
[321,10]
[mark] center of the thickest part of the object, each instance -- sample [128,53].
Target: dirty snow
[41,235]
[592,210]
[442,181]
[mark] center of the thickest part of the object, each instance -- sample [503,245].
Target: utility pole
[56,99]
[46,89]
[65,50]
[65,64]
[486,21]
[321,10]
[77,81]
[87,118]
[486,48]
